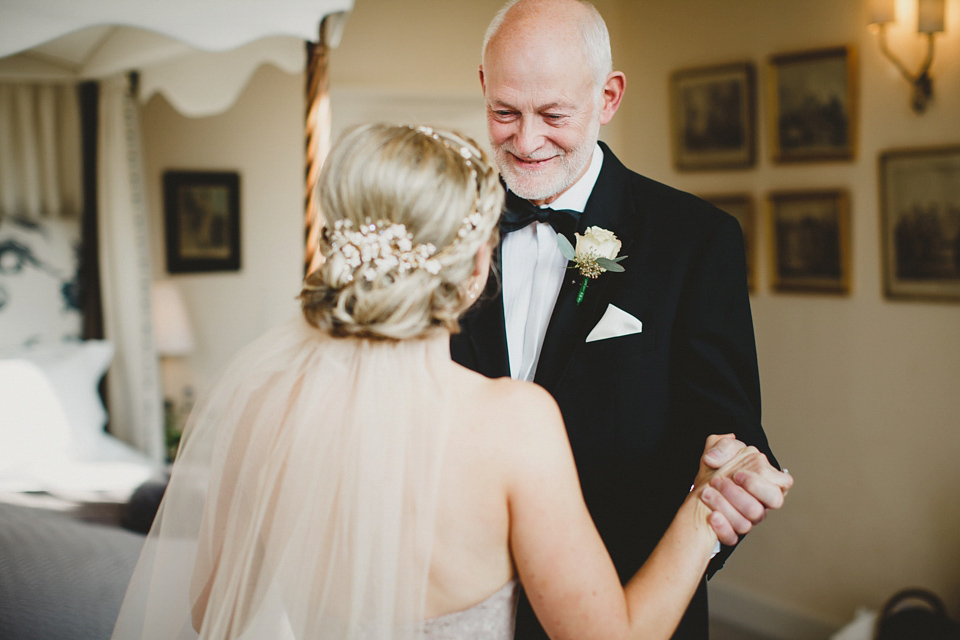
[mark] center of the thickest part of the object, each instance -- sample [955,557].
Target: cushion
[73,371]
[51,428]
[33,426]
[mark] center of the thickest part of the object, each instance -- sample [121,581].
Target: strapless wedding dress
[302,504]
[492,619]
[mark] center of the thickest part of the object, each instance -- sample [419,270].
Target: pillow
[74,371]
[33,426]
[38,281]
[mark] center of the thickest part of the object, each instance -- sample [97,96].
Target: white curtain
[134,383]
[40,158]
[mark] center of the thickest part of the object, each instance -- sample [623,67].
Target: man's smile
[530,163]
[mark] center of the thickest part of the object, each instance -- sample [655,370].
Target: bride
[346,479]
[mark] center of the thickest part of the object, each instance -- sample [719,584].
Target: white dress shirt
[533,270]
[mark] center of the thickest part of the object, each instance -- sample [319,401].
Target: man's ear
[613,90]
[483,85]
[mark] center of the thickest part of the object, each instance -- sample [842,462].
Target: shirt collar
[575,198]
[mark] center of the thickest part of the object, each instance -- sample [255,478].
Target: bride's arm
[561,560]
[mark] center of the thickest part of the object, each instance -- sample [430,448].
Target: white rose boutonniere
[596,252]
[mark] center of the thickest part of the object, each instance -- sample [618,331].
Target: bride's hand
[739,485]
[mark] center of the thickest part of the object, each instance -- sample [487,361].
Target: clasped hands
[739,485]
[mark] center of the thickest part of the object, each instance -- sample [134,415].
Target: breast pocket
[643,341]
[606,361]
[608,392]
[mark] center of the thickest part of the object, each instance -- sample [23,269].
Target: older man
[643,362]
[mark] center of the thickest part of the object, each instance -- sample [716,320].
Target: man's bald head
[548,86]
[576,22]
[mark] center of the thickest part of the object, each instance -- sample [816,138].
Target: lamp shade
[882,11]
[930,14]
[171,324]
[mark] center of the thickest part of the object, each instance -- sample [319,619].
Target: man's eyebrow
[544,107]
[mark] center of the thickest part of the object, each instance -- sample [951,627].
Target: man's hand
[741,491]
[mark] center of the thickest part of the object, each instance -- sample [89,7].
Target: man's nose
[529,136]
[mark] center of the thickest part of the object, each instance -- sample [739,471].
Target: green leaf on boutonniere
[566,249]
[611,265]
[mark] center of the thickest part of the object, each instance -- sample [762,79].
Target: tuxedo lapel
[570,323]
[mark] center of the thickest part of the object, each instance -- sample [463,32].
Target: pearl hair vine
[457,144]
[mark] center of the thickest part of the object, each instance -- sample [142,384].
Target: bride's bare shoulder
[521,409]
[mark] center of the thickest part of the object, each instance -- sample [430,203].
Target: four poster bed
[75,273]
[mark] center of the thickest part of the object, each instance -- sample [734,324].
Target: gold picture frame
[920,223]
[813,97]
[810,241]
[741,207]
[713,117]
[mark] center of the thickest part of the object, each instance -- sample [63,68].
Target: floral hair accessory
[379,247]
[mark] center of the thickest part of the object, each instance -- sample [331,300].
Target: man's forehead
[533,69]
[536,86]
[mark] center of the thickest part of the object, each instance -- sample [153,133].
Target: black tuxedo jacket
[638,408]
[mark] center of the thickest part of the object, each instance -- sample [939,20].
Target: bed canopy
[199,54]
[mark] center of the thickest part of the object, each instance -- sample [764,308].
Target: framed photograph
[813,105]
[810,241]
[920,221]
[202,219]
[740,206]
[712,113]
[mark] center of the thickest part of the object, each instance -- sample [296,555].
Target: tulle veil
[303,500]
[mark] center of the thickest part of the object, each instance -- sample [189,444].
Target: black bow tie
[518,213]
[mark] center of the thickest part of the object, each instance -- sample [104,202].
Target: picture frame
[810,241]
[813,100]
[920,223]
[741,207]
[713,117]
[202,220]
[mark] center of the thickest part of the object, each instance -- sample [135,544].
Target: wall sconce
[930,19]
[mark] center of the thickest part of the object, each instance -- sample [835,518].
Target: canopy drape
[212,25]
[39,150]
[199,54]
[134,394]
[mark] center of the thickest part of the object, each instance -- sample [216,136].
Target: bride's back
[471,558]
[471,554]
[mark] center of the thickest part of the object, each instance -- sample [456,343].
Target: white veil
[303,500]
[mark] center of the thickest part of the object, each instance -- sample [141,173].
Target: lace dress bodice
[492,619]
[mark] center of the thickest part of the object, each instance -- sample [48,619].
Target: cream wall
[261,137]
[860,394]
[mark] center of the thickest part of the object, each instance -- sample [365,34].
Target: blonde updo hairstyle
[428,180]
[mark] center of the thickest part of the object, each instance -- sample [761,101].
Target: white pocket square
[615,323]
